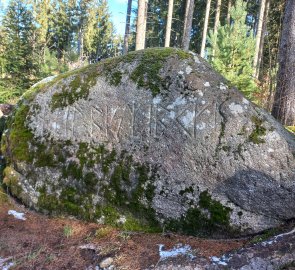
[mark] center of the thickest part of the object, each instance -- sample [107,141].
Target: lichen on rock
[151,140]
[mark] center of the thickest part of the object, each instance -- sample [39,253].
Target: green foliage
[232,51]
[50,64]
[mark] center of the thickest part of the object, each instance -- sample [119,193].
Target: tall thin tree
[127,27]
[188,19]
[169,23]
[264,29]
[258,36]
[217,16]
[204,37]
[141,24]
[284,101]
[228,11]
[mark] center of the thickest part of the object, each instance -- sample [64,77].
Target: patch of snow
[175,251]
[88,246]
[7,266]
[270,150]
[284,234]
[4,265]
[17,215]
[180,72]
[220,261]
[157,100]
[203,102]
[207,84]
[236,108]
[274,240]
[188,118]
[207,111]
[188,70]
[201,126]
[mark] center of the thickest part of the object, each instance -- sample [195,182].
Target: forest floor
[41,242]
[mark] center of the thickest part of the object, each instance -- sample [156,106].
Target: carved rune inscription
[105,122]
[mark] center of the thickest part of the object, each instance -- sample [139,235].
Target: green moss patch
[19,137]
[11,180]
[78,88]
[258,132]
[210,217]
[146,74]
[125,186]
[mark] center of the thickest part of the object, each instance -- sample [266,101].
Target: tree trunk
[169,23]
[141,24]
[127,27]
[258,37]
[217,16]
[284,101]
[80,43]
[188,19]
[205,28]
[264,28]
[228,11]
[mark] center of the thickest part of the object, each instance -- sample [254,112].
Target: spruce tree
[18,28]
[233,47]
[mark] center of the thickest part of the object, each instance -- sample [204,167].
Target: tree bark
[284,101]
[264,28]
[127,27]
[205,28]
[188,19]
[169,23]
[217,16]
[258,37]
[141,24]
[228,11]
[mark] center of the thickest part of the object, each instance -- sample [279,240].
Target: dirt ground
[41,242]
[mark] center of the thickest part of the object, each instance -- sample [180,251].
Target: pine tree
[99,32]
[18,27]
[233,48]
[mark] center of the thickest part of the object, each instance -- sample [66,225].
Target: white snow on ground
[274,240]
[220,261]
[4,265]
[175,251]
[17,215]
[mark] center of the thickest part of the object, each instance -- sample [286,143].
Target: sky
[117,9]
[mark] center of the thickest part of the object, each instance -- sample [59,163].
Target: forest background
[44,38]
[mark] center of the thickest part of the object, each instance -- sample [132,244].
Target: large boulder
[155,139]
